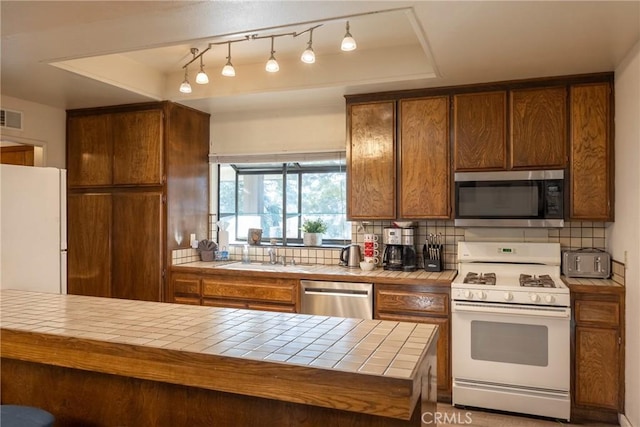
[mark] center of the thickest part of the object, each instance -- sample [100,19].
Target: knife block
[432,264]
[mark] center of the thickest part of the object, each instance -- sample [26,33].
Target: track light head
[228,69]
[185,87]
[201,77]
[308,56]
[272,65]
[348,42]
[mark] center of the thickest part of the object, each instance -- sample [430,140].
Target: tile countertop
[332,272]
[365,348]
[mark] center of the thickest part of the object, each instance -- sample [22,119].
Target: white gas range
[511,329]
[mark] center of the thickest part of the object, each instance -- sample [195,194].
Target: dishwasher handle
[335,292]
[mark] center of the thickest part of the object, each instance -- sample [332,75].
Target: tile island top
[229,347]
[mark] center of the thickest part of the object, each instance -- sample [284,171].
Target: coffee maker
[399,249]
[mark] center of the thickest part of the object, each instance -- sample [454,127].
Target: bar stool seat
[24,416]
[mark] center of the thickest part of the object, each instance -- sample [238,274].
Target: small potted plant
[312,230]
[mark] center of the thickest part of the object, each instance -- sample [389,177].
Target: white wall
[42,126]
[624,238]
[279,131]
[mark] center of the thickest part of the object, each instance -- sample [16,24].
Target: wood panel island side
[104,362]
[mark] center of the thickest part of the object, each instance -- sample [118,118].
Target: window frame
[284,169]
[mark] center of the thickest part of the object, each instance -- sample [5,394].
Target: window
[278,197]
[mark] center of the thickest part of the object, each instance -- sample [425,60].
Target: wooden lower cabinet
[250,292]
[421,304]
[598,347]
[115,244]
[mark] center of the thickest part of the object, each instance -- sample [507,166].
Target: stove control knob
[534,297]
[549,298]
[468,294]
[481,295]
[508,296]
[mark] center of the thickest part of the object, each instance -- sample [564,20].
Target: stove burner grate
[543,281]
[480,279]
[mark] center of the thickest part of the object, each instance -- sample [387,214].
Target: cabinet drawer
[598,312]
[186,300]
[186,286]
[263,289]
[392,301]
[227,303]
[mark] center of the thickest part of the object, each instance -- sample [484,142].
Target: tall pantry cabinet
[137,188]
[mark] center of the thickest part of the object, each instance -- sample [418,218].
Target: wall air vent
[11,119]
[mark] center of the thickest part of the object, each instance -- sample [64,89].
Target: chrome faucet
[273,256]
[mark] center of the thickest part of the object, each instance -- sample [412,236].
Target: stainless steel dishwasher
[341,299]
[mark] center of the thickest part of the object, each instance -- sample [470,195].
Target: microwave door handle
[597,265]
[576,263]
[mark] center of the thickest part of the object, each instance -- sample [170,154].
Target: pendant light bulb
[185,87]
[348,42]
[308,56]
[201,77]
[272,65]
[228,69]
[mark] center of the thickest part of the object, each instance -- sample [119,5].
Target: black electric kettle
[351,256]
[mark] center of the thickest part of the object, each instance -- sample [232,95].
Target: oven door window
[499,199]
[510,343]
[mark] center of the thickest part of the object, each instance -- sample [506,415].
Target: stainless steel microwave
[509,199]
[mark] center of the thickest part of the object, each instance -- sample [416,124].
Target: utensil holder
[207,255]
[432,256]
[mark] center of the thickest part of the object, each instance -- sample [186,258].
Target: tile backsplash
[574,235]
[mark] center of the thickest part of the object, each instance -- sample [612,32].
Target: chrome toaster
[586,262]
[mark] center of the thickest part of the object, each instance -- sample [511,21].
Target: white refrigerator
[33,232]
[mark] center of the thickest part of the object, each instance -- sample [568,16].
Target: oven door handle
[511,309]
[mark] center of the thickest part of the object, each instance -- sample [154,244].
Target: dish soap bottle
[245,255]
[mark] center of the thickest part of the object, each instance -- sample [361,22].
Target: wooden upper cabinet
[137,147]
[538,128]
[479,126]
[591,151]
[371,161]
[106,149]
[22,155]
[424,158]
[89,150]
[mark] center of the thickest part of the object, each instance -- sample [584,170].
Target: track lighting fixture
[348,42]
[308,56]
[185,87]
[272,65]
[228,69]
[201,77]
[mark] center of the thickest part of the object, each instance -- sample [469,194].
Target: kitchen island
[99,361]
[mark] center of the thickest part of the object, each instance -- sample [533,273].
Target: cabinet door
[538,128]
[185,289]
[371,163]
[591,174]
[424,158]
[479,125]
[597,368]
[137,240]
[89,244]
[89,150]
[22,155]
[137,148]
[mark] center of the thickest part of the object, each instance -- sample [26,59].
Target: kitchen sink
[258,266]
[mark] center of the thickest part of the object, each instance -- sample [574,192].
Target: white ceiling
[110,53]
